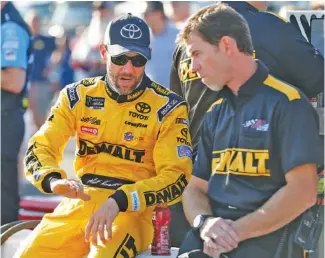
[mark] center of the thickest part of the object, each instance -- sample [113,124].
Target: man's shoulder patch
[72,90]
[173,102]
[73,94]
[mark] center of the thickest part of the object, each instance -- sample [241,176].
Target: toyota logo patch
[131,31]
[143,108]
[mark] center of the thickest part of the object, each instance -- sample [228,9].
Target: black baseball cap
[128,33]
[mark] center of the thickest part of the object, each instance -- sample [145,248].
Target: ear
[228,45]
[103,52]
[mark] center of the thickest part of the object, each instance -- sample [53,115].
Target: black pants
[179,225]
[262,247]
[12,134]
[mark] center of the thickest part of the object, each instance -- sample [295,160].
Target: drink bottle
[161,217]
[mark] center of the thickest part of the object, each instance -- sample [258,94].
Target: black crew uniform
[278,44]
[248,144]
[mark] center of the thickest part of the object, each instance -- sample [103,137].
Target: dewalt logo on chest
[88,148]
[245,162]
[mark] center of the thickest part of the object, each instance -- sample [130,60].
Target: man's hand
[219,236]
[69,188]
[102,218]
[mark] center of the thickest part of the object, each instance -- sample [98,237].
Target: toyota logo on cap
[131,31]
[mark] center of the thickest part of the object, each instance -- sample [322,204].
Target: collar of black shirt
[249,87]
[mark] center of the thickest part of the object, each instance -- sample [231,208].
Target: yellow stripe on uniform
[218,102]
[284,88]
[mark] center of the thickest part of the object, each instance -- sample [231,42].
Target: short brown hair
[215,21]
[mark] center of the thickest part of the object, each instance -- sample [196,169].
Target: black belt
[104,181]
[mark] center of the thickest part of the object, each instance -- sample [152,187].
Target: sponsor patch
[11,44]
[136,125]
[184,151]
[136,115]
[119,151]
[91,120]
[10,55]
[166,194]
[143,108]
[89,130]
[73,95]
[128,136]
[257,124]
[31,160]
[184,132]
[173,102]
[135,201]
[95,102]
[182,121]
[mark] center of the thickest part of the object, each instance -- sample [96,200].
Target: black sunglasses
[137,61]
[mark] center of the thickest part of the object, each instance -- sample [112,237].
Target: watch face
[198,221]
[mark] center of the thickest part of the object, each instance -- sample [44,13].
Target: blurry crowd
[67,37]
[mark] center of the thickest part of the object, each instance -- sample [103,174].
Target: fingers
[225,242]
[88,229]
[101,231]
[211,249]
[77,188]
[93,232]
[83,196]
[231,231]
[108,230]
[222,233]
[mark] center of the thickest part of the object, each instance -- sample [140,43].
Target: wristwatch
[199,220]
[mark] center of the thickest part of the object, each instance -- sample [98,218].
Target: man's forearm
[283,207]
[195,202]
[13,79]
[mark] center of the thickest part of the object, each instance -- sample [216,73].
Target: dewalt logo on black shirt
[245,162]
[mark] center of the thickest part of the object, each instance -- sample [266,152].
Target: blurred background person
[62,73]
[317,5]
[85,58]
[163,36]
[16,52]
[41,89]
[180,12]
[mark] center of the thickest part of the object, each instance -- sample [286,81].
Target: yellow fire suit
[134,148]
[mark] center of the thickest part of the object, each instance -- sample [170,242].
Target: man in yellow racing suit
[133,152]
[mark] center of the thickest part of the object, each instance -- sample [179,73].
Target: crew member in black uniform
[259,147]
[278,44]
[15,65]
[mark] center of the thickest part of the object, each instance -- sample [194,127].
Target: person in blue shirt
[15,66]
[259,147]
[163,36]
[41,89]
